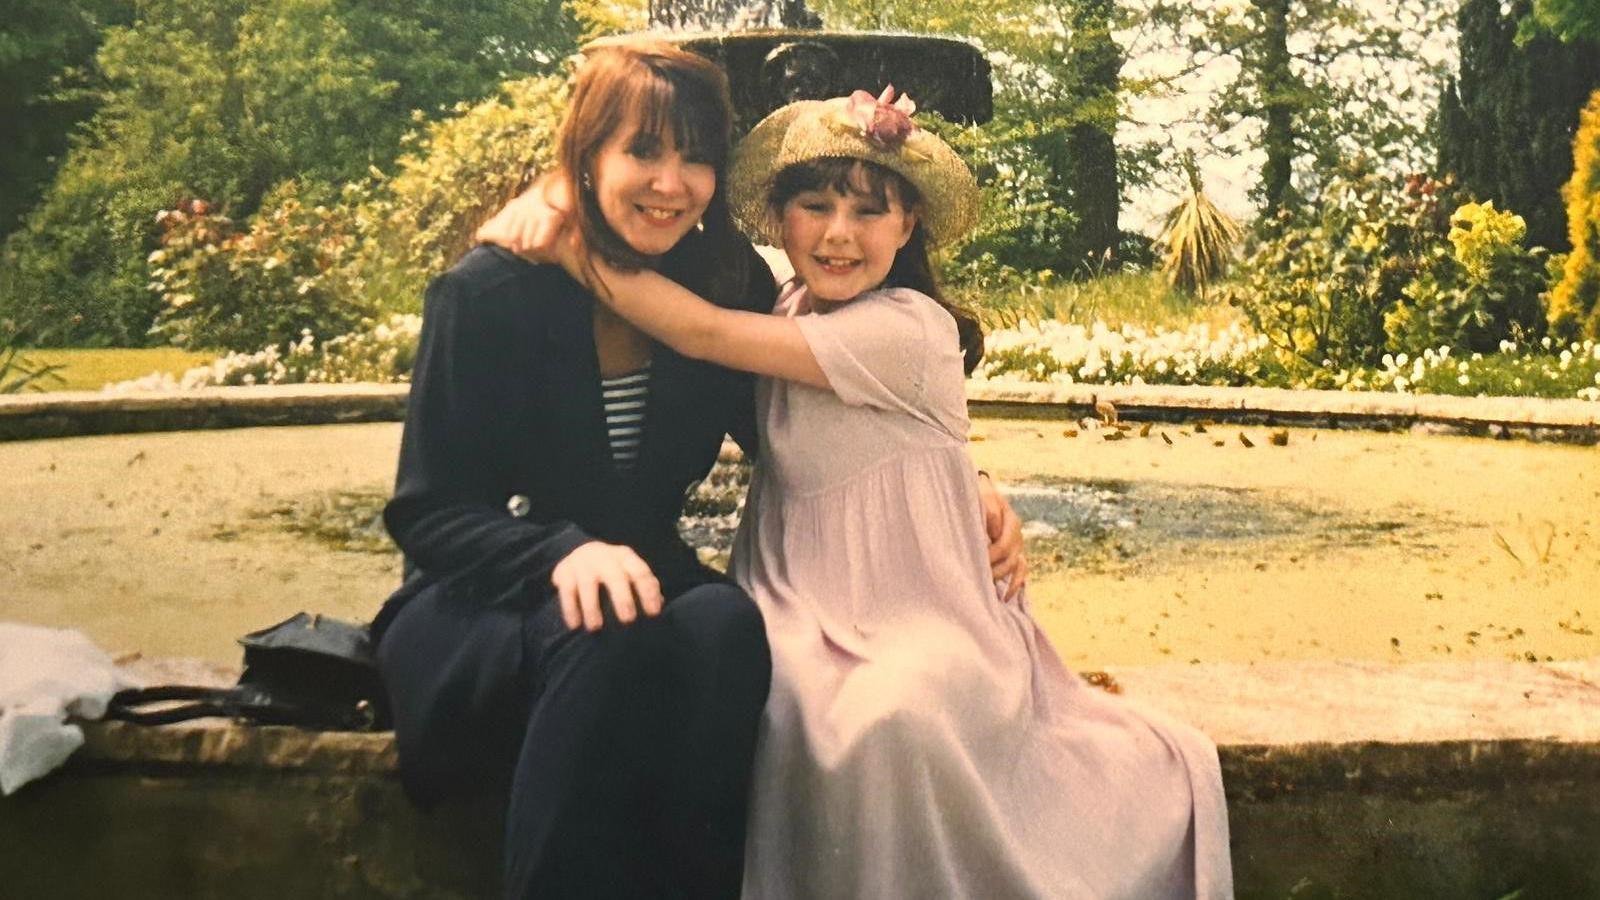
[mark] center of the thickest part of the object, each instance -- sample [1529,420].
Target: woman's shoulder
[694,264]
[498,289]
[488,271]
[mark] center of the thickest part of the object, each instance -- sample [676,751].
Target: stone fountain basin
[1343,780]
[1362,758]
[770,67]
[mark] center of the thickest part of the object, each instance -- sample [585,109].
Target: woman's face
[650,193]
[842,244]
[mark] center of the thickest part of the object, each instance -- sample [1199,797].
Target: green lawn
[90,370]
[1143,299]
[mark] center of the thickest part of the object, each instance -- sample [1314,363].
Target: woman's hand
[627,580]
[1006,559]
[531,225]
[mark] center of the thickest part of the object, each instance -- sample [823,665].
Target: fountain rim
[82,413]
[784,35]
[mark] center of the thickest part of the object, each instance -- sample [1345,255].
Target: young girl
[922,738]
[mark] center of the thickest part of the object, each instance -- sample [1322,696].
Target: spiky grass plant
[1199,238]
[18,373]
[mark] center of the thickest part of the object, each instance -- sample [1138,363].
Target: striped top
[624,398]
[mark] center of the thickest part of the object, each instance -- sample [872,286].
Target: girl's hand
[532,224]
[627,580]
[1007,563]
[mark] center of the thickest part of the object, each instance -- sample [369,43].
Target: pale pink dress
[922,738]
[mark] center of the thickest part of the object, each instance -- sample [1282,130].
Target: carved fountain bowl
[767,69]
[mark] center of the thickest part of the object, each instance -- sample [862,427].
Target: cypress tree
[1506,125]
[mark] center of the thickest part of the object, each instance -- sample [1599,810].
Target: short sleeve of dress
[894,350]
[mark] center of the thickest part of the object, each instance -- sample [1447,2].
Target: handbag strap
[249,702]
[201,702]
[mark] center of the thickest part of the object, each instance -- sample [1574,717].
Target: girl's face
[650,193]
[842,244]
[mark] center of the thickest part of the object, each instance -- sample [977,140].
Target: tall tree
[1569,20]
[47,52]
[1091,147]
[1507,122]
[1314,81]
[1278,90]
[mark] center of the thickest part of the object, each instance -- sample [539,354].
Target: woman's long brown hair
[657,89]
[911,268]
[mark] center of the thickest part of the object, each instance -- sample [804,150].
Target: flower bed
[381,353]
[1061,353]
[1049,352]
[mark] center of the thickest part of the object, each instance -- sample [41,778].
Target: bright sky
[1229,163]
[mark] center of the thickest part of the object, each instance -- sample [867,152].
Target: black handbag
[310,671]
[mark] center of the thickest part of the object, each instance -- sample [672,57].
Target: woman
[554,637]
[922,738]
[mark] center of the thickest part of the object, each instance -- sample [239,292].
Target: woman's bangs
[663,105]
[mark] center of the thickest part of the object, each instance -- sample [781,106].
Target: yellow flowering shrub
[1575,300]
[1479,233]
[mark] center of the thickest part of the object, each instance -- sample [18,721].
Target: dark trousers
[627,750]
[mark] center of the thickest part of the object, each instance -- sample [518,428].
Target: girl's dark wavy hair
[911,268]
[658,89]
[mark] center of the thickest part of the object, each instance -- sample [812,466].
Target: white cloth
[922,738]
[47,674]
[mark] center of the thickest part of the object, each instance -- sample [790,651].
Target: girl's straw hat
[859,126]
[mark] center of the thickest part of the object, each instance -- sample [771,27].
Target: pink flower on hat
[885,121]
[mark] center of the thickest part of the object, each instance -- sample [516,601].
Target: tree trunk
[1278,84]
[1095,186]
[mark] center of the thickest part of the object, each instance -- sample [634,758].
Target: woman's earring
[585,183]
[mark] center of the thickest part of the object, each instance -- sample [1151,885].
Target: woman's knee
[722,616]
[719,630]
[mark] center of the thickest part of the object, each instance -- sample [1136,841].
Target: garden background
[233,192]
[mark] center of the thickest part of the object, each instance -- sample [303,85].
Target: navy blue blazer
[505,404]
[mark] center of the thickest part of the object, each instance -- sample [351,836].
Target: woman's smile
[658,215]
